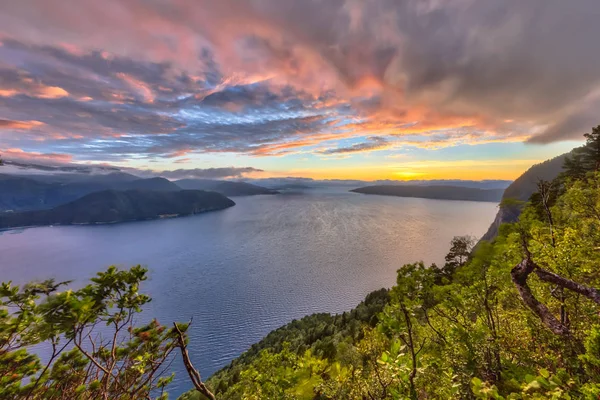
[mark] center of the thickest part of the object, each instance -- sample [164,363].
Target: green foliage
[121,362]
[585,158]
[460,250]
[329,337]
[460,332]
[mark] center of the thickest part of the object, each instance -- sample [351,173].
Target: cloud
[203,173]
[17,160]
[137,79]
[19,156]
[372,144]
[19,125]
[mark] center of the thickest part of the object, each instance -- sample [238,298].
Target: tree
[573,165]
[585,158]
[460,250]
[125,362]
[591,150]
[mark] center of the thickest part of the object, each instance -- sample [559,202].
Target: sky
[325,89]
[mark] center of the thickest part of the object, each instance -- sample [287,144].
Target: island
[112,206]
[438,192]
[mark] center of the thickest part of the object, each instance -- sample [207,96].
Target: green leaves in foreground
[119,361]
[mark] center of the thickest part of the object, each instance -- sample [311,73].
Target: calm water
[249,269]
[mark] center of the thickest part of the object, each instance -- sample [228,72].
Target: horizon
[36,170]
[345,90]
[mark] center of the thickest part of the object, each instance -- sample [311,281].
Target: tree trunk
[519,275]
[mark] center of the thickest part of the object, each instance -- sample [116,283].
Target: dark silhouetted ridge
[434,192]
[112,206]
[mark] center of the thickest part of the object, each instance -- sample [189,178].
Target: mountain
[521,189]
[65,178]
[434,192]
[227,188]
[38,192]
[113,206]
[318,333]
[307,183]
[160,184]
[18,193]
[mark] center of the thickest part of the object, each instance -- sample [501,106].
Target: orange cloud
[34,89]
[21,125]
[21,155]
[51,92]
[143,90]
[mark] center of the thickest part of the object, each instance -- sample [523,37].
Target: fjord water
[247,270]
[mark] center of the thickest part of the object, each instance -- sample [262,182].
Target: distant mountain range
[112,206]
[434,192]
[227,188]
[308,183]
[19,193]
[39,192]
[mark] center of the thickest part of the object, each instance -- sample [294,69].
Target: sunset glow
[327,90]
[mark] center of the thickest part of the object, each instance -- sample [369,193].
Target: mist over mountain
[227,188]
[36,186]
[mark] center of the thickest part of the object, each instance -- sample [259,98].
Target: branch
[519,275]
[92,359]
[551,277]
[192,372]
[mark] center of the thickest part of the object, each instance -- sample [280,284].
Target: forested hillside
[39,192]
[113,206]
[517,319]
[521,189]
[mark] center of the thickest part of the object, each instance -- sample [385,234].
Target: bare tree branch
[192,372]
[519,275]
[550,277]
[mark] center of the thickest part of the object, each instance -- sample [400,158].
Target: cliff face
[505,214]
[522,189]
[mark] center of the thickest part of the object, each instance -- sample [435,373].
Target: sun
[408,174]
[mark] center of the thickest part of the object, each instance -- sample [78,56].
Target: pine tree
[460,249]
[573,165]
[585,158]
[591,151]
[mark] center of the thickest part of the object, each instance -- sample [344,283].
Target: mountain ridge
[437,192]
[113,206]
[521,190]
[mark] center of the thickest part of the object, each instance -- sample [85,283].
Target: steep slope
[17,193]
[434,192]
[160,184]
[113,206]
[227,188]
[23,193]
[320,333]
[521,189]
